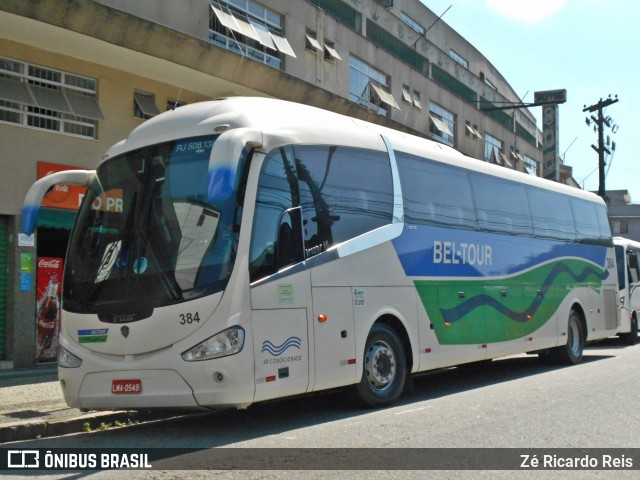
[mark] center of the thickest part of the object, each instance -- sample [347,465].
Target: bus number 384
[189,318]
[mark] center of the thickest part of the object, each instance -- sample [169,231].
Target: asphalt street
[515,403]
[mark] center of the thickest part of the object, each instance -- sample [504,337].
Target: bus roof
[288,119]
[626,242]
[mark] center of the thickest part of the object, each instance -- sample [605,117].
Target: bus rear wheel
[384,367]
[570,353]
[631,337]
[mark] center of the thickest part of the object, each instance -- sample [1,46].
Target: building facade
[624,216]
[77,76]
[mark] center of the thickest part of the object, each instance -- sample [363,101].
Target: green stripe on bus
[465,312]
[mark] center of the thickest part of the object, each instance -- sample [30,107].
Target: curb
[17,431]
[20,431]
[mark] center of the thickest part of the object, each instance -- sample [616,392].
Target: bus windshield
[147,236]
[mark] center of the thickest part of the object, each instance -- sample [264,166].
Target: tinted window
[603,223]
[634,267]
[551,212]
[586,220]
[276,190]
[621,266]
[501,205]
[344,192]
[435,193]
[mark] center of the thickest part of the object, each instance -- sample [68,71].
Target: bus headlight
[66,359]
[223,344]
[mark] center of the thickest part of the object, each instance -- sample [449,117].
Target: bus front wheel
[384,367]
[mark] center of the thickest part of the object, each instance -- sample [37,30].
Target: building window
[619,227]
[531,165]
[248,28]
[472,131]
[311,42]
[488,82]
[48,99]
[369,87]
[144,105]
[441,124]
[459,58]
[412,23]
[492,149]
[406,94]
[416,99]
[413,99]
[330,52]
[342,12]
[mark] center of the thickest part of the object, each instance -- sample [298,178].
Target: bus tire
[571,353]
[631,337]
[384,368]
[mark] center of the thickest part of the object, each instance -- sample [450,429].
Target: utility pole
[600,121]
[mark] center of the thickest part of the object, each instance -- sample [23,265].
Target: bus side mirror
[224,161]
[38,190]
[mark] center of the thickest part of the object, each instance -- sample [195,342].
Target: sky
[591,48]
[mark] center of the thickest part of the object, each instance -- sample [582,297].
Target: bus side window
[344,192]
[603,224]
[633,267]
[552,215]
[620,266]
[586,220]
[435,193]
[496,214]
[276,196]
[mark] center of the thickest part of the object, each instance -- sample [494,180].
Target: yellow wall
[22,147]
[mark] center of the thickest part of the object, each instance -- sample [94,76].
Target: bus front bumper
[137,389]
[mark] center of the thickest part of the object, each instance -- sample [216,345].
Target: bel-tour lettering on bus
[462,253]
[110,201]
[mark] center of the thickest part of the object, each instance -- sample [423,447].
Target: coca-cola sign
[48,277]
[49,263]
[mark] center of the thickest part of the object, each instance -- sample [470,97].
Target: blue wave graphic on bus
[454,314]
[277,350]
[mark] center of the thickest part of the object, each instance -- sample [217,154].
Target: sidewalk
[32,406]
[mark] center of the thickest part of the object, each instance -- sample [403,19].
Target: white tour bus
[244,249]
[628,282]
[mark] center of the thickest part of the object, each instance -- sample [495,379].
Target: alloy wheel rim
[380,365]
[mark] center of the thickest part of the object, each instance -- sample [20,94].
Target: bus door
[281,340]
[634,280]
[622,268]
[280,283]
[628,283]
